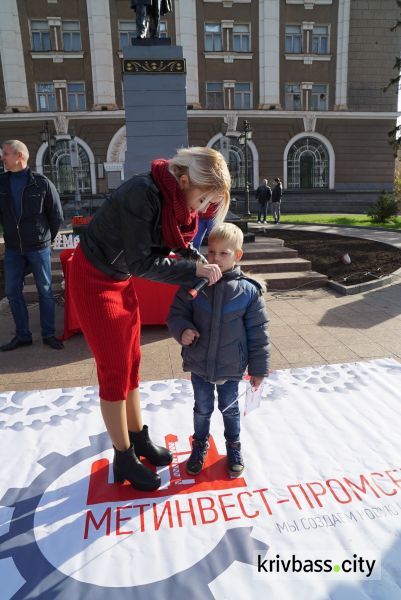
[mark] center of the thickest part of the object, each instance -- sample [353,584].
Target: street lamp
[244,138]
[74,159]
[50,140]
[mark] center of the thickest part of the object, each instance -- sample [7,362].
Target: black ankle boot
[127,466]
[143,446]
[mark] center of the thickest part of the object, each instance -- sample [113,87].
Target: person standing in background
[263,195]
[31,215]
[205,225]
[277,194]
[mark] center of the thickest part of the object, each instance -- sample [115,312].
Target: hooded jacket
[41,214]
[124,237]
[231,319]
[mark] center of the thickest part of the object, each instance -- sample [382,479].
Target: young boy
[222,331]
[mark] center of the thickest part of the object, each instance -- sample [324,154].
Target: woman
[132,234]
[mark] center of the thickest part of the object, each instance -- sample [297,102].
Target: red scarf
[179,223]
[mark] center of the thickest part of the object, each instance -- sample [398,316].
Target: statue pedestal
[155,104]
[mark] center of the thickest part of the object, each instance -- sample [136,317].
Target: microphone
[193,293]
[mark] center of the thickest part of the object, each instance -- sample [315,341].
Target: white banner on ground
[315,515]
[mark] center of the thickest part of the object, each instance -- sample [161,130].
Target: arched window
[61,172]
[308,164]
[235,156]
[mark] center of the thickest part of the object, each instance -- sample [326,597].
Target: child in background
[222,332]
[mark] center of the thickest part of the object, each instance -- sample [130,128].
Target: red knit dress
[109,319]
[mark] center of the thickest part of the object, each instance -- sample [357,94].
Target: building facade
[307,75]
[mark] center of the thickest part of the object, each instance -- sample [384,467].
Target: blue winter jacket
[231,319]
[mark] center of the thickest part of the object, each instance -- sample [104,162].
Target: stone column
[101,54]
[269,58]
[12,58]
[186,36]
[341,101]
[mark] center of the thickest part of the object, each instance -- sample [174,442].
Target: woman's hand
[210,272]
[188,336]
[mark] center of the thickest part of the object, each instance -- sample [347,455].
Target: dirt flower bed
[369,260]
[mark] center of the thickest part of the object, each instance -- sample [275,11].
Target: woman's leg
[115,418]
[133,411]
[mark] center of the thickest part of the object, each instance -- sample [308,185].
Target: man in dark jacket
[263,195]
[277,194]
[148,14]
[31,214]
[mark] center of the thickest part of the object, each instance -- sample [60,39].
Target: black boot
[143,446]
[127,466]
[200,448]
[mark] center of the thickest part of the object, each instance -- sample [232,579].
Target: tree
[394,137]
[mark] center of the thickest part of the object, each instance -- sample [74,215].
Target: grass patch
[336,219]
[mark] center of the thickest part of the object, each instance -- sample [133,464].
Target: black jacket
[263,194]
[277,193]
[124,237]
[41,214]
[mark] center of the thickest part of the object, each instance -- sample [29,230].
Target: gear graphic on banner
[37,577]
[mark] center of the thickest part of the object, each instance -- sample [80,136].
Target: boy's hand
[189,336]
[256,380]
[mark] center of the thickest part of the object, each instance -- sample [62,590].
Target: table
[154,299]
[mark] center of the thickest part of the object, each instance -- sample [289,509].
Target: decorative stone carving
[310,122]
[61,125]
[231,119]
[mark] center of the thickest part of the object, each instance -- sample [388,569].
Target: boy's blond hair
[227,232]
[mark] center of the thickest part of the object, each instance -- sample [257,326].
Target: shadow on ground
[374,308]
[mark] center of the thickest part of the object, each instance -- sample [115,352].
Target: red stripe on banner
[213,477]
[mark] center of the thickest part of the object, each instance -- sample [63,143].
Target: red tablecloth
[154,299]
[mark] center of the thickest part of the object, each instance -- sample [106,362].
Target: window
[61,172]
[40,36]
[293,39]
[213,41]
[163,33]
[214,95]
[127,32]
[242,95]
[236,162]
[319,97]
[241,38]
[71,36]
[46,97]
[308,164]
[293,96]
[76,99]
[320,40]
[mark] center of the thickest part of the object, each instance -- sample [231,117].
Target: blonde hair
[18,146]
[227,232]
[206,169]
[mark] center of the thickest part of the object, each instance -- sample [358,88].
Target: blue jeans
[16,264]
[262,211]
[204,226]
[204,405]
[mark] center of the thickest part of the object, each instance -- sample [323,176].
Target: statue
[147,16]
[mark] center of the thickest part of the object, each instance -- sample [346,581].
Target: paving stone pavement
[307,327]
